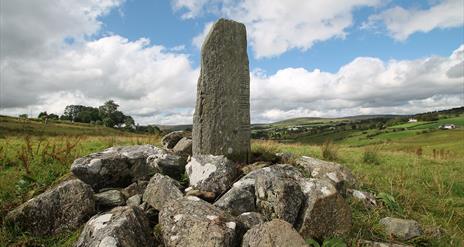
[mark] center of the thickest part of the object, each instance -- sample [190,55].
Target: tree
[42,115]
[129,122]
[53,116]
[23,116]
[108,108]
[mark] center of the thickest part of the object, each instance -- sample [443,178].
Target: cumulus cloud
[42,70]
[401,23]
[275,26]
[156,84]
[364,86]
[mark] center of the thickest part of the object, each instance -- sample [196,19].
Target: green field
[420,167]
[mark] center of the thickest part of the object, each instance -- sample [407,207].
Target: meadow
[415,173]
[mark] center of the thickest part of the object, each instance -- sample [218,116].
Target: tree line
[106,114]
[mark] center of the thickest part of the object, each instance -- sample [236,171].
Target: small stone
[160,190]
[237,201]
[170,140]
[401,229]
[250,219]
[324,213]
[337,174]
[122,226]
[62,208]
[183,147]
[205,195]
[109,199]
[277,233]
[190,221]
[134,200]
[211,173]
[134,188]
[168,163]
[278,197]
[366,198]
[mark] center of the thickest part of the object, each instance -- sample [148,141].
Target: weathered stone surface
[286,158]
[193,222]
[160,190]
[122,226]
[62,208]
[325,212]
[275,233]
[183,147]
[115,167]
[221,123]
[135,188]
[366,198]
[366,243]
[205,195]
[237,201]
[170,140]
[134,200]
[250,219]
[211,173]
[168,163]
[255,166]
[109,199]
[337,174]
[400,228]
[278,196]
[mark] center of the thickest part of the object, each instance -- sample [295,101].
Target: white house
[448,126]
[412,120]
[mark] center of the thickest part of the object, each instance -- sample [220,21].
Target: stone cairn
[138,195]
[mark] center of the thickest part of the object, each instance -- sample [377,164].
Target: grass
[418,174]
[30,165]
[428,190]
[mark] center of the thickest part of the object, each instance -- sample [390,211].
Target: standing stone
[221,123]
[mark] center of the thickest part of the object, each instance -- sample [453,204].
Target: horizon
[356,58]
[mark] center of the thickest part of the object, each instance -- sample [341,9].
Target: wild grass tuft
[329,150]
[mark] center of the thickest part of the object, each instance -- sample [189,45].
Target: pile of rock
[139,196]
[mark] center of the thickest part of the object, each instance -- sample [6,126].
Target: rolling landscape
[231,123]
[402,163]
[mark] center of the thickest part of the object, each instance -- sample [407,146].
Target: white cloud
[275,26]
[364,86]
[401,23]
[44,72]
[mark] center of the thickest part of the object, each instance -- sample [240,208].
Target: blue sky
[157,21]
[322,58]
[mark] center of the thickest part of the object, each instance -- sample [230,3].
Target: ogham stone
[221,123]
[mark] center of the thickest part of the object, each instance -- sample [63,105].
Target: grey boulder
[275,233]
[168,163]
[115,167]
[211,173]
[161,189]
[278,196]
[109,199]
[250,219]
[57,210]
[170,140]
[193,222]
[122,227]
[337,174]
[324,213]
[401,229]
[135,188]
[237,201]
[183,147]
